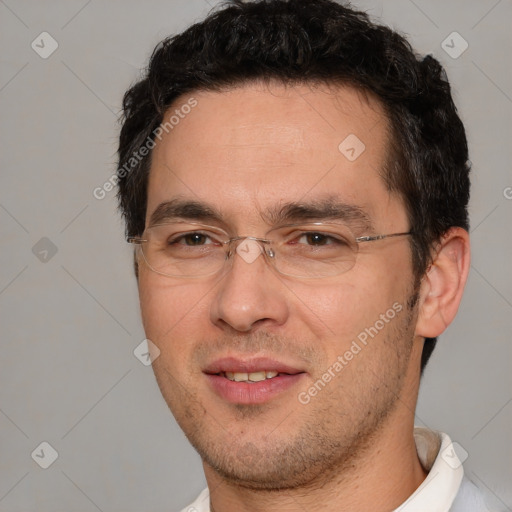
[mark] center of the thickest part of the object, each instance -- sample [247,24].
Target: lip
[251,393]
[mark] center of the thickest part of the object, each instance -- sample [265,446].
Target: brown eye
[193,239]
[317,239]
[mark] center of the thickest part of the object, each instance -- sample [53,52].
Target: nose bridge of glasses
[249,248]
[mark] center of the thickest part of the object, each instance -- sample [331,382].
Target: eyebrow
[327,209]
[183,209]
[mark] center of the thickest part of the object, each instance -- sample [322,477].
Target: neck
[385,475]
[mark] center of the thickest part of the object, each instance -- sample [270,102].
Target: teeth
[250,377]
[257,376]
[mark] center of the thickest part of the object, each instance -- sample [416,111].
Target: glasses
[311,250]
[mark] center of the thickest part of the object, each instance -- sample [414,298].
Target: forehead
[255,146]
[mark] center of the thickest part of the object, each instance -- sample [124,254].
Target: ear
[442,286]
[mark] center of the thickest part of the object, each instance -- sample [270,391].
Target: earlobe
[443,284]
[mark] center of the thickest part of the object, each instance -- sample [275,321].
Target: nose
[250,294]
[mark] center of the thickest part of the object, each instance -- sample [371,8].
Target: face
[343,346]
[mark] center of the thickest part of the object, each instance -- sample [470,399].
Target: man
[295,182]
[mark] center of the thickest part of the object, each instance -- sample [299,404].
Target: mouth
[253,381]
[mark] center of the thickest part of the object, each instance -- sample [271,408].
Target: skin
[351,448]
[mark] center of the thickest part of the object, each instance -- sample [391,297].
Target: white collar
[445,472]
[435,494]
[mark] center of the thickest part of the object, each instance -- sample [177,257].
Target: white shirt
[444,490]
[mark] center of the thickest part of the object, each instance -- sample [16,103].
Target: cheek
[171,313]
[330,309]
[337,313]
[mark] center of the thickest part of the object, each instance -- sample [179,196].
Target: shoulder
[470,498]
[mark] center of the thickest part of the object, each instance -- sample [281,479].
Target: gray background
[70,320]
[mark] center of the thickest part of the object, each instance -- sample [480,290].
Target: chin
[257,471]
